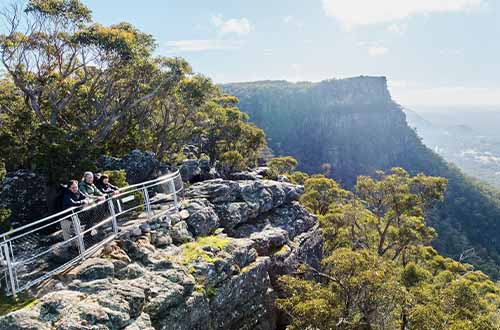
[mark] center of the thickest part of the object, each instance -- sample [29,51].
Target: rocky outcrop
[24,193]
[139,166]
[212,265]
[196,170]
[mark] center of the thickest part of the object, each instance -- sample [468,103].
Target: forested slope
[352,127]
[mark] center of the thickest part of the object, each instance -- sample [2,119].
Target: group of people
[83,193]
[86,192]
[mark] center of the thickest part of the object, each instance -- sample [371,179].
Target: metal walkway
[33,253]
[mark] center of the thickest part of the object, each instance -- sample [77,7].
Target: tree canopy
[378,270]
[74,89]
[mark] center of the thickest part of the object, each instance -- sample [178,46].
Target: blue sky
[434,52]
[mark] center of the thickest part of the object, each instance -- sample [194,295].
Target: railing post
[146,202]
[10,269]
[78,233]
[113,215]
[174,193]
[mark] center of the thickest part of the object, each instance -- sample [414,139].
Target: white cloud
[288,19]
[233,25]
[377,51]
[351,13]
[397,28]
[202,45]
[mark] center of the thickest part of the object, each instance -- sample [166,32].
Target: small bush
[232,161]
[117,178]
[281,166]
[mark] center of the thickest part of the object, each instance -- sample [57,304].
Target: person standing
[71,198]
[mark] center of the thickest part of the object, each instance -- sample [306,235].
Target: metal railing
[33,253]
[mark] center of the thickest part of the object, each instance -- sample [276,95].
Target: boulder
[25,194]
[143,322]
[255,174]
[260,195]
[180,233]
[94,269]
[196,170]
[216,191]
[202,220]
[140,166]
[233,214]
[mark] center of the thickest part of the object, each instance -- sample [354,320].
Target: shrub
[282,166]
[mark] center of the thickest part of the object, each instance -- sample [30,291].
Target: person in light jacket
[88,188]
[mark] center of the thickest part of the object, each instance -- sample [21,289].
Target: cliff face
[351,127]
[344,123]
[211,266]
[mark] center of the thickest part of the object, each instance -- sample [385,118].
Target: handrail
[26,250]
[122,190]
[161,178]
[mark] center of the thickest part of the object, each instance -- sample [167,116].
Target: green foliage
[378,271]
[398,203]
[298,177]
[320,193]
[101,90]
[9,304]
[117,178]
[282,165]
[232,161]
[61,156]
[194,251]
[226,129]
[17,124]
[123,39]
[72,10]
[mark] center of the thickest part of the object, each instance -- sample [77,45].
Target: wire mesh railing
[33,253]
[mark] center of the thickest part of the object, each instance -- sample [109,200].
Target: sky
[433,52]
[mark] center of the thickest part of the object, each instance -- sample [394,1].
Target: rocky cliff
[351,127]
[213,265]
[336,122]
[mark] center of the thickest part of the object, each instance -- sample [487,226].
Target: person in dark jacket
[105,187]
[72,196]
